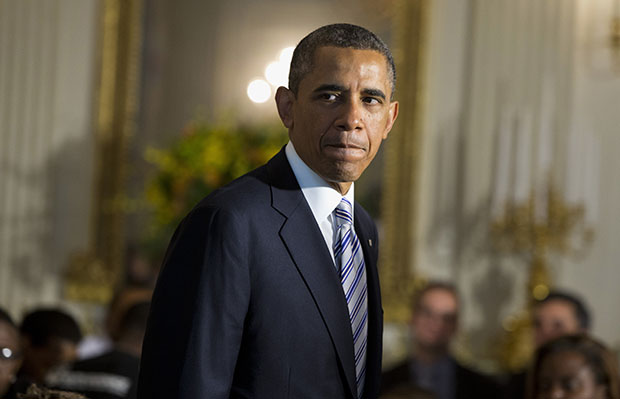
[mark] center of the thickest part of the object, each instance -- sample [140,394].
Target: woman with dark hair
[574,367]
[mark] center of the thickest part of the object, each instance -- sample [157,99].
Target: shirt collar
[321,197]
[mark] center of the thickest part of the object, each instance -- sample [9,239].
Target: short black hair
[336,35]
[41,325]
[582,314]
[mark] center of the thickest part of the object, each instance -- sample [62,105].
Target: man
[434,325]
[113,374]
[267,290]
[559,314]
[49,342]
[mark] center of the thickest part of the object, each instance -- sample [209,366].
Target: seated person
[432,368]
[10,355]
[559,314]
[574,366]
[49,341]
[114,374]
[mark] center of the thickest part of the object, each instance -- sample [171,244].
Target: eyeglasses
[9,354]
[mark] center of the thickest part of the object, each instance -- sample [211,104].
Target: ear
[284,101]
[392,115]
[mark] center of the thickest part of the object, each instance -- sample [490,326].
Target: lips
[345,146]
[344,152]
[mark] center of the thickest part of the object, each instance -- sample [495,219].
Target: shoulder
[468,379]
[245,191]
[254,190]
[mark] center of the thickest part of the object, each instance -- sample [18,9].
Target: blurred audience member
[559,314]
[432,368]
[139,271]
[124,299]
[49,341]
[10,354]
[114,374]
[574,367]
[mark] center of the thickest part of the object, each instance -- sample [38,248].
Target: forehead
[564,362]
[438,298]
[336,62]
[556,309]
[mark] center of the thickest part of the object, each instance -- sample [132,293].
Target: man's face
[554,319]
[435,319]
[40,360]
[341,113]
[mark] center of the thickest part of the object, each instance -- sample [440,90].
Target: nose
[350,117]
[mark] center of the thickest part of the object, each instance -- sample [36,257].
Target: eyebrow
[334,87]
[374,92]
[329,87]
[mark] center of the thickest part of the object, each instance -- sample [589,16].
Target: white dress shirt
[321,197]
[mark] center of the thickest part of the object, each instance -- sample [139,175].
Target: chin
[342,172]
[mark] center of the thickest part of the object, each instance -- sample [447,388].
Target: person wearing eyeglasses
[431,366]
[10,354]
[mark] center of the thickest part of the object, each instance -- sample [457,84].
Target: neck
[429,355]
[341,187]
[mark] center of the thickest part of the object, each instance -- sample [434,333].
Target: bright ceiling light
[277,73]
[286,55]
[259,91]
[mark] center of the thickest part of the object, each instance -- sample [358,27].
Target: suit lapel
[307,248]
[364,229]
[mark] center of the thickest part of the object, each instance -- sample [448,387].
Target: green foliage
[204,158]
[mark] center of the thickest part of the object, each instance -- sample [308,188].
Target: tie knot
[343,213]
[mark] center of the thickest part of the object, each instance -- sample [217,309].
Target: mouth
[346,146]
[344,151]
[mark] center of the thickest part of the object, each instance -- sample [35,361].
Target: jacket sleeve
[198,310]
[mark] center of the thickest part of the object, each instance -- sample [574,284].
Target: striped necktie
[350,261]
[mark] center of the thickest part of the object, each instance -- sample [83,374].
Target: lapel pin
[370,242]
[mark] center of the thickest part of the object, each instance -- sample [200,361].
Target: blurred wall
[595,109]
[47,69]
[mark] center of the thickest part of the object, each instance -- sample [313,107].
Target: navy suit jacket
[249,304]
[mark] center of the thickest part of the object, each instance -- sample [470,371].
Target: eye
[571,384]
[328,96]
[371,100]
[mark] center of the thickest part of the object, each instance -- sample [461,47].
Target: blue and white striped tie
[350,260]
